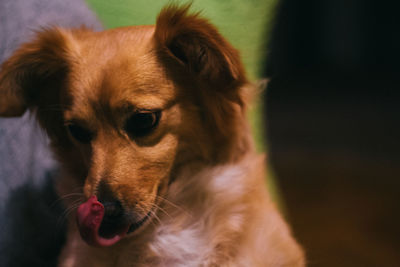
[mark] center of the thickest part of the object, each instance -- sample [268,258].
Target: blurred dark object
[332,112]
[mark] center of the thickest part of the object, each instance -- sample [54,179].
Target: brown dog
[149,123]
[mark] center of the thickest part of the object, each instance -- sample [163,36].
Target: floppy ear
[211,70]
[29,77]
[198,46]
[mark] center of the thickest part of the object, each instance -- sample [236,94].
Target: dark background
[332,111]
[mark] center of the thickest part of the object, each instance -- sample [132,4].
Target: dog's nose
[114,219]
[113,210]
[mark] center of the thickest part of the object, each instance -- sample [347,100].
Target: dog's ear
[197,45]
[207,63]
[29,77]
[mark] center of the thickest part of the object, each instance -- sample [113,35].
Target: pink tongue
[89,216]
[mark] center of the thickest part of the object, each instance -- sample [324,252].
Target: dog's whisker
[81,195]
[67,196]
[63,217]
[153,222]
[156,217]
[74,205]
[71,208]
[168,202]
[162,210]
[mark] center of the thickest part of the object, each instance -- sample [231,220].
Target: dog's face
[125,109]
[122,116]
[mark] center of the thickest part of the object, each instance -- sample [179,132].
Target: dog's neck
[202,207]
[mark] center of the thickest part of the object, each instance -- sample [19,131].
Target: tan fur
[196,173]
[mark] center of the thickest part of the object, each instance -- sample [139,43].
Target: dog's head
[126,108]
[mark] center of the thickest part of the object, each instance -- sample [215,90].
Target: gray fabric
[24,154]
[20,18]
[31,219]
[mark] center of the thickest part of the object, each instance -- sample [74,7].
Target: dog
[149,125]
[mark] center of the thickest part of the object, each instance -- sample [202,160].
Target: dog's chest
[171,247]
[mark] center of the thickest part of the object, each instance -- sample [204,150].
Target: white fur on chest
[201,218]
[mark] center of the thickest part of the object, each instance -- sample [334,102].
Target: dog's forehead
[119,68]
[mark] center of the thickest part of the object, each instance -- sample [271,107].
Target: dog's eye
[79,133]
[142,123]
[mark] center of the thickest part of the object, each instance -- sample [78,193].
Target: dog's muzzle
[103,224]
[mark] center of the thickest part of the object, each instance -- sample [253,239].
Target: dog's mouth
[98,231]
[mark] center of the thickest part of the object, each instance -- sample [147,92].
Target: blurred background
[330,113]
